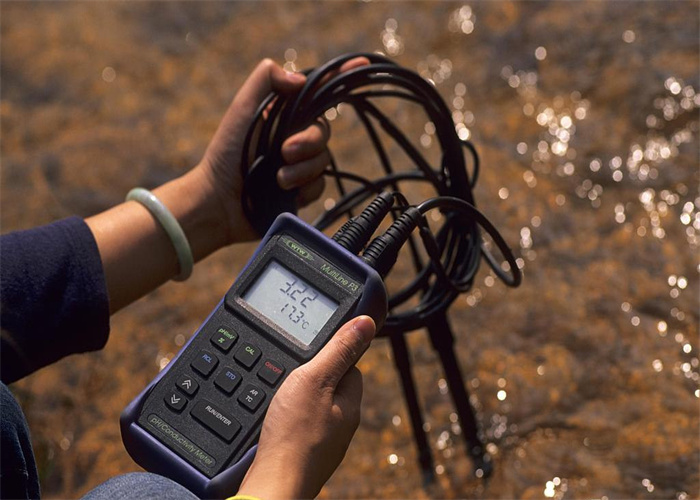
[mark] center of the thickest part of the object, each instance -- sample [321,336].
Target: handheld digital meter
[198,421]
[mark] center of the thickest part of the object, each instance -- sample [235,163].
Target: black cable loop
[386,165]
[455,250]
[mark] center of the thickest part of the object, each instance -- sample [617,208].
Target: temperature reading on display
[289,302]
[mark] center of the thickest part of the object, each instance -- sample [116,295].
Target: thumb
[265,78]
[342,352]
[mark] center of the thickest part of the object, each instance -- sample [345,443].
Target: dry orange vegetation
[589,168]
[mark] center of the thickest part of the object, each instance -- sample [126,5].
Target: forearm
[137,254]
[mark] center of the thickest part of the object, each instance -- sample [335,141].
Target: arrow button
[187,384]
[175,401]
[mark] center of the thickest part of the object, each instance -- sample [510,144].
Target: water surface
[586,117]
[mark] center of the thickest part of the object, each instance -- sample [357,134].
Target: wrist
[286,485]
[226,189]
[191,201]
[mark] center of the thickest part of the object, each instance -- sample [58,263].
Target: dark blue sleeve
[53,296]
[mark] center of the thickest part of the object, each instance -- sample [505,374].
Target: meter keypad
[227,380]
[247,355]
[205,362]
[215,411]
[251,397]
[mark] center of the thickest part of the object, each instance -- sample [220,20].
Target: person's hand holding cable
[304,153]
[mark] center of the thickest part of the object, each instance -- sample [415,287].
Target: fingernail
[283,179]
[292,148]
[364,326]
[296,77]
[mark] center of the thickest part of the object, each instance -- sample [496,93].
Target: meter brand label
[180,441]
[338,277]
[326,268]
[296,248]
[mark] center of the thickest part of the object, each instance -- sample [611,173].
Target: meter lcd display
[290,302]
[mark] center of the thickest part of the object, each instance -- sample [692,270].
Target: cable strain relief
[355,233]
[343,228]
[382,253]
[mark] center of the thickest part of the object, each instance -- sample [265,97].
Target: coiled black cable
[455,251]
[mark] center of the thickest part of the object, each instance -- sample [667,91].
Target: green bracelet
[171,226]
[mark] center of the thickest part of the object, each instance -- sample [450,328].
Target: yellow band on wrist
[242,497]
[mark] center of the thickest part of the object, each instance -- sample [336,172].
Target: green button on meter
[247,355]
[224,338]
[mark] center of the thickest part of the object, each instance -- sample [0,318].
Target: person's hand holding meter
[311,420]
